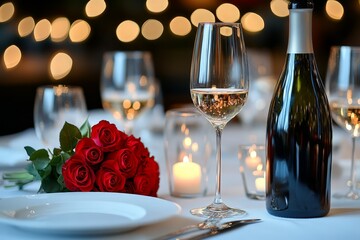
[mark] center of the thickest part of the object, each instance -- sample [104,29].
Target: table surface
[342,221]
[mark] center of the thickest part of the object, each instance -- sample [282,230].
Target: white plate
[84,212]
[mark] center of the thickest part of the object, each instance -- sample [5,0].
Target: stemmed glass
[53,106]
[127,85]
[343,89]
[219,87]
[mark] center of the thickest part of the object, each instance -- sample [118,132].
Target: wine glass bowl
[127,85]
[219,87]
[53,106]
[343,89]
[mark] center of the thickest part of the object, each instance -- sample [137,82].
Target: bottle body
[299,142]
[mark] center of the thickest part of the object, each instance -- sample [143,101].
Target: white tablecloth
[342,222]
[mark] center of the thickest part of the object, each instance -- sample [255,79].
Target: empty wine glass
[219,88]
[127,85]
[343,89]
[53,106]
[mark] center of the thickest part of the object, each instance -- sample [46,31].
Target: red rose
[137,147]
[145,185]
[107,136]
[109,178]
[78,176]
[127,161]
[129,186]
[149,166]
[92,152]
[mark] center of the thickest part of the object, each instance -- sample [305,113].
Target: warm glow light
[60,65]
[334,9]
[156,5]
[180,26]
[60,29]
[279,8]
[12,56]
[79,31]
[152,29]
[228,12]
[127,31]
[252,22]
[26,26]
[201,15]
[95,7]
[42,30]
[6,11]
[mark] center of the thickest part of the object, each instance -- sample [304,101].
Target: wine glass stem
[217,199]
[352,167]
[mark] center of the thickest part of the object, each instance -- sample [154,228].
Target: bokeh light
[152,29]
[42,30]
[95,8]
[6,11]
[26,26]
[180,26]
[201,15]
[279,8]
[127,31]
[79,31]
[12,56]
[156,6]
[252,22]
[60,29]
[60,65]
[228,12]
[334,9]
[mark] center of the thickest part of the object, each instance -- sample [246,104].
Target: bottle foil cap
[301,4]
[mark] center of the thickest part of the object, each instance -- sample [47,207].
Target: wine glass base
[354,195]
[217,211]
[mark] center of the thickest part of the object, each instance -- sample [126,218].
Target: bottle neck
[300,31]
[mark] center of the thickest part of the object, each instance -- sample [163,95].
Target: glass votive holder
[187,152]
[252,169]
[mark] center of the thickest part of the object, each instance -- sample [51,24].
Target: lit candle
[252,161]
[260,184]
[187,177]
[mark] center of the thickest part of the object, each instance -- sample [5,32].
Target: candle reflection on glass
[252,168]
[187,177]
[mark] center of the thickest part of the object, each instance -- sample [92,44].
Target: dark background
[171,54]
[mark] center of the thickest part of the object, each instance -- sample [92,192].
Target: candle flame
[186,159]
[253,154]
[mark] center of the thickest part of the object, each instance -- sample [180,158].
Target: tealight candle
[260,184]
[252,161]
[187,177]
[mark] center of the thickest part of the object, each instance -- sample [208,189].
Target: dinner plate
[84,212]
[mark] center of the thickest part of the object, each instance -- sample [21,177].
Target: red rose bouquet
[98,158]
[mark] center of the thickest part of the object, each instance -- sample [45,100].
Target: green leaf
[44,173]
[31,170]
[69,136]
[50,185]
[40,159]
[29,150]
[85,129]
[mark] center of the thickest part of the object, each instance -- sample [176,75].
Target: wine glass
[343,89]
[127,85]
[219,87]
[53,106]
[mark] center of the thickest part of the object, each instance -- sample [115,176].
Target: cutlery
[210,224]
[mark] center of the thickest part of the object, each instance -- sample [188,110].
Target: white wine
[127,108]
[219,105]
[347,116]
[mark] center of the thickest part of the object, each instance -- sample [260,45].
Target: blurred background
[62,42]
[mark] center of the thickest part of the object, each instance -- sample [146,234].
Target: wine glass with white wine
[343,89]
[127,85]
[219,88]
